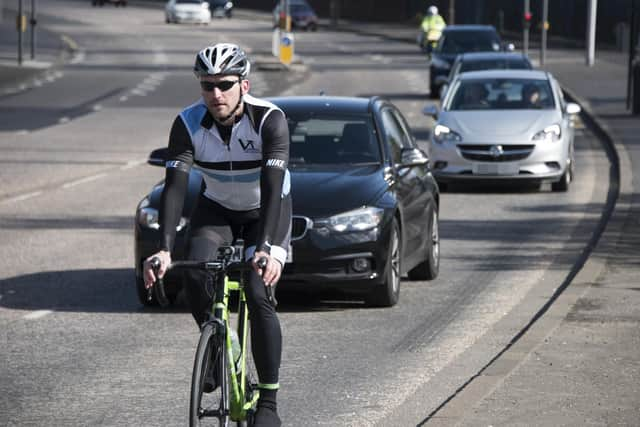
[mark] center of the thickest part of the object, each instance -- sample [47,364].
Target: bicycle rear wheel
[210,408]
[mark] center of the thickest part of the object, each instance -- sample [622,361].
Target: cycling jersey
[244,168]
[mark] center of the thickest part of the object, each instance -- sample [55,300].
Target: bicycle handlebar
[233,267]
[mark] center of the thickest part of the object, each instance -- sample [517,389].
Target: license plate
[495,169]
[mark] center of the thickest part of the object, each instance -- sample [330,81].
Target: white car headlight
[356,220]
[442,133]
[148,217]
[550,133]
[228,5]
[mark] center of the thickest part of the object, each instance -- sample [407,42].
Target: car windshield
[331,139]
[501,94]
[468,41]
[495,64]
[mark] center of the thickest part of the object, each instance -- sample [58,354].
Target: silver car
[504,125]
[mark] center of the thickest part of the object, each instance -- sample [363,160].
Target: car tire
[387,294]
[433,92]
[429,268]
[565,180]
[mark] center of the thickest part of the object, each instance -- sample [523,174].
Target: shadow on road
[113,291]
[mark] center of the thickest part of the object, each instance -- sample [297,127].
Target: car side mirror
[411,157]
[572,108]
[158,157]
[431,111]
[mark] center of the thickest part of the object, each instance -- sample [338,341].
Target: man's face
[221,102]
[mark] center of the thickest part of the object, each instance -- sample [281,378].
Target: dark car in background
[457,39]
[478,61]
[365,204]
[221,8]
[302,15]
[115,2]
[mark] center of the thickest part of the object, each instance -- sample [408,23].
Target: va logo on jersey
[248,146]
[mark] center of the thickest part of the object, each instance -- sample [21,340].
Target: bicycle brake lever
[155,265]
[262,264]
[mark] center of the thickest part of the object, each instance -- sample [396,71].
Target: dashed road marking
[22,197]
[36,314]
[83,180]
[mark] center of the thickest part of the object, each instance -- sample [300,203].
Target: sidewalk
[50,50]
[582,366]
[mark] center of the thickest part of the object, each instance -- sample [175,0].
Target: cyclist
[431,26]
[241,146]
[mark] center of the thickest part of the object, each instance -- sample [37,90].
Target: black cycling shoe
[266,416]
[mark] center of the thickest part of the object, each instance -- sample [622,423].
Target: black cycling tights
[212,226]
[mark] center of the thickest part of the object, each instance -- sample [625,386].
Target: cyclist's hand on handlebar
[271,273]
[147,269]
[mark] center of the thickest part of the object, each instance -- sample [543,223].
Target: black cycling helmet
[222,59]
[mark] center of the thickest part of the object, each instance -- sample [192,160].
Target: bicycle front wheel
[210,382]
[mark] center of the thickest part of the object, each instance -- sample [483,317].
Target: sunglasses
[224,85]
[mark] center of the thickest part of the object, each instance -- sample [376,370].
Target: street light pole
[19,28]
[545,27]
[33,29]
[525,29]
[452,12]
[591,32]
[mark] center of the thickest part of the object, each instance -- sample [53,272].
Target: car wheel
[565,180]
[387,294]
[429,268]
[433,92]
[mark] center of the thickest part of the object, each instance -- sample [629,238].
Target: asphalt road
[77,348]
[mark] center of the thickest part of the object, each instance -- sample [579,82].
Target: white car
[192,11]
[503,125]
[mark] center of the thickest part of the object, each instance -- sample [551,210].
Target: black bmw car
[365,204]
[457,39]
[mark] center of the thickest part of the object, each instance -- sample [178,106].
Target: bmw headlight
[550,133]
[148,217]
[356,220]
[442,133]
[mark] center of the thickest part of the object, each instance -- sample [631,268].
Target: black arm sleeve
[275,157]
[178,164]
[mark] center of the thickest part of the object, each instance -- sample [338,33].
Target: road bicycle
[223,386]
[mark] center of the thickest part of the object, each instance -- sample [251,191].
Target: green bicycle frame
[239,405]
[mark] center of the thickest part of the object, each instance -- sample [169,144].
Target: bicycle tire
[216,403]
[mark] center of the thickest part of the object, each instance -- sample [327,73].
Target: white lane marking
[132,164]
[22,197]
[36,314]
[83,180]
